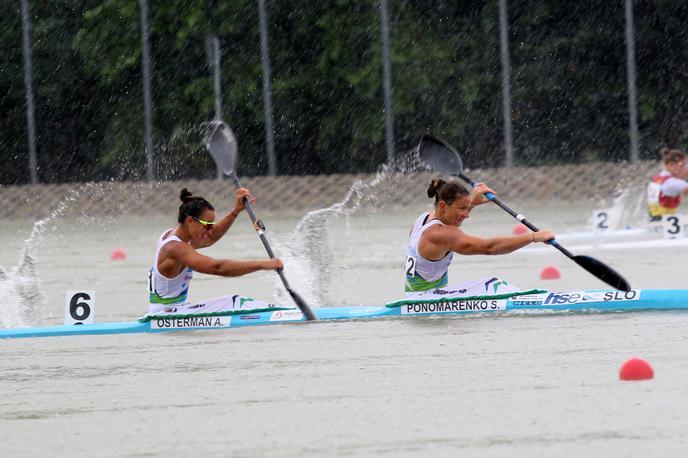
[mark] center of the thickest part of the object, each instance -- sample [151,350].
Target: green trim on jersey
[155,299]
[418,283]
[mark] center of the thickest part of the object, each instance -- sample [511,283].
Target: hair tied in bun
[185,195]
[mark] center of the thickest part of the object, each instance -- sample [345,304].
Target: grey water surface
[503,386]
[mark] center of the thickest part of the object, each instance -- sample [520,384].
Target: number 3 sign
[79,307]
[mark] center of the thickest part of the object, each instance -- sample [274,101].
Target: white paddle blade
[438,156]
[222,145]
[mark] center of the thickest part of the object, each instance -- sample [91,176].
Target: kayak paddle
[222,146]
[438,155]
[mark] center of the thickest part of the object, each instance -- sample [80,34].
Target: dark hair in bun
[446,191]
[191,205]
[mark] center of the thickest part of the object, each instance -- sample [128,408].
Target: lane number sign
[79,307]
[673,226]
[600,220]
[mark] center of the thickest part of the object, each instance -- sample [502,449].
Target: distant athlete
[436,236]
[666,188]
[176,257]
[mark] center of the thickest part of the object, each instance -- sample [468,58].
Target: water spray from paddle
[628,209]
[20,285]
[307,248]
[222,146]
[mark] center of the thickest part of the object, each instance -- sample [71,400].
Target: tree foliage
[568,63]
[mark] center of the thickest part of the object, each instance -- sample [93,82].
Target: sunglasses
[207,224]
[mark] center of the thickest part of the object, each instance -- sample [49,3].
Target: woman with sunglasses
[176,257]
[666,188]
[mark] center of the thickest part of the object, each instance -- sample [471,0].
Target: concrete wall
[289,194]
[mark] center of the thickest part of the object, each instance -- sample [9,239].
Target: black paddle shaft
[592,265]
[518,216]
[260,229]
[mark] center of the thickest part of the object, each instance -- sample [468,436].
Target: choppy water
[448,386]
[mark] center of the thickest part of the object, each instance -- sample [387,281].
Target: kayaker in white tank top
[163,290]
[435,236]
[424,274]
[176,256]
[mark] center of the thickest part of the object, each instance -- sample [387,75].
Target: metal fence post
[506,82]
[631,78]
[28,84]
[214,56]
[387,81]
[267,91]
[147,101]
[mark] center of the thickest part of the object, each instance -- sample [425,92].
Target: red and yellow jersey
[659,202]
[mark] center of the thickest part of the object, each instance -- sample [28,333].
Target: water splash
[20,285]
[307,250]
[634,201]
[629,208]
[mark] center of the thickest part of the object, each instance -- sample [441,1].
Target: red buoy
[550,273]
[118,255]
[519,229]
[636,369]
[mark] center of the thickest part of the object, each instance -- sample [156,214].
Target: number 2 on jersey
[410,266]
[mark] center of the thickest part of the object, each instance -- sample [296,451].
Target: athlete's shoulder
[173,247]
[442,232]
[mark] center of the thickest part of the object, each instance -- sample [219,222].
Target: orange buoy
[118,255]
[636,369]
[550,273]
[519,229]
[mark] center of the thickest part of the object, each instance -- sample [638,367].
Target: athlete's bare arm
[184,254]
[449,238]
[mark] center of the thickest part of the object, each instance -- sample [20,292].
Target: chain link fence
[298,194]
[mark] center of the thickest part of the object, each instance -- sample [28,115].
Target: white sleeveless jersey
[422,274]
[163,290]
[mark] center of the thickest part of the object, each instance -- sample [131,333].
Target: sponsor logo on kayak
[447,292]
[286,315]
[249,317]
[582,297]
[191,322]
[523,303]
[458,305]
[528,299]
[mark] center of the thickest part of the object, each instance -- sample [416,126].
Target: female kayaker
[436,236]
[176,256]
[665,189]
